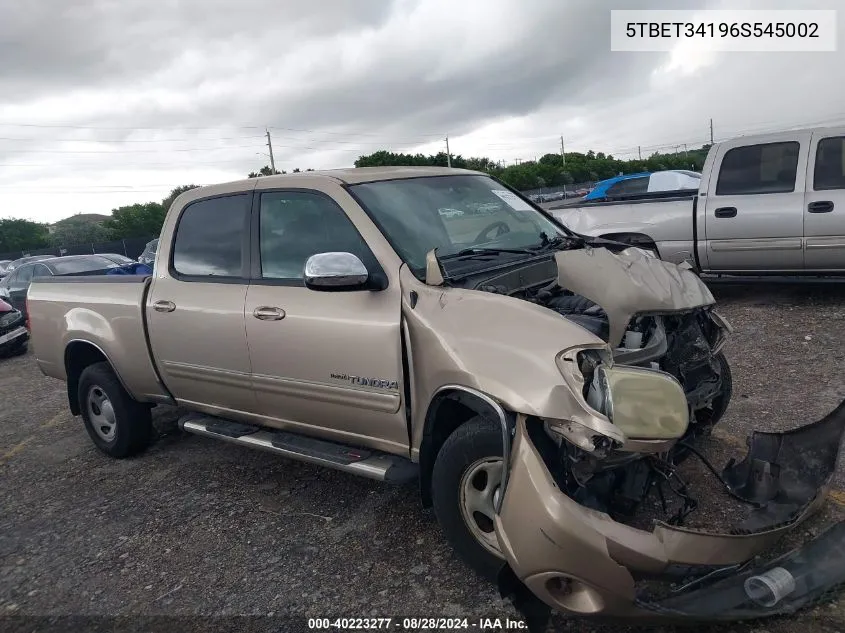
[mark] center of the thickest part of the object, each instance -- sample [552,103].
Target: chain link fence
[131,247]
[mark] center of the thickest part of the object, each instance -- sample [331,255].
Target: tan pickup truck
[433,324]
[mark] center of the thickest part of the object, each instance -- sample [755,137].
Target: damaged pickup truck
[544,387]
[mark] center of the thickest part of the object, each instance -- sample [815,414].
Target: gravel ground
[200,531]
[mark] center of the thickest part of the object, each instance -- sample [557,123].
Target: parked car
[14,288]
[149,254]
[24,260]
[539,385]
[122,260]
[643,183]
[768,204]
[13,332]
[4,263]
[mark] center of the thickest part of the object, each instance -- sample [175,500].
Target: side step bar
[358,461]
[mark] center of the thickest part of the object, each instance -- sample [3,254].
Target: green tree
[264,171]
[174,194]
[78,229]
[136,220]
[22,235]
[548,171]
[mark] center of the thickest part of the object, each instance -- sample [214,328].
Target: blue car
[644,182]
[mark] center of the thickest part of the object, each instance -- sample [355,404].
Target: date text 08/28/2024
[417,624]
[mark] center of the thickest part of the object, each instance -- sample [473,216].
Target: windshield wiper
[474,252]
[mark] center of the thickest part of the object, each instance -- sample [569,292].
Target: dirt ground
[196,535]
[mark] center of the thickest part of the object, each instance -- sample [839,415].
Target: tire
[16,350]
[118,425]
[720,404]
[711,416]
[474,445]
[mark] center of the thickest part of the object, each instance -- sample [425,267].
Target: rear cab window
[211,238]
[829,171]
[759,169]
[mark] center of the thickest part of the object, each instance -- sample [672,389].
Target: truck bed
[668,221]
[103,311]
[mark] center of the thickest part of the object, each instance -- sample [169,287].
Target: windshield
[452,213]
[69,266]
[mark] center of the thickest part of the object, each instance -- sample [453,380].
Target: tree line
[551,170]
[146,218]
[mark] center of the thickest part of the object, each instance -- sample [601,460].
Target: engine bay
[685,345]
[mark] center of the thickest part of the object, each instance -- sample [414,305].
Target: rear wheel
[118,425]
[465,487]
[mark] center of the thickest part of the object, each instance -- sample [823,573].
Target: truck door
[328,363]
[195,308]
[754,217]
[824,208]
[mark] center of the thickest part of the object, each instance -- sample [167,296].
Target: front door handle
[822,206]
[164,306]
[268,313]
[726,212]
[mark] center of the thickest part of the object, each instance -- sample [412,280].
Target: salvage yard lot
[195,526]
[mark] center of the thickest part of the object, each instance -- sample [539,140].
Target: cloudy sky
[111,102]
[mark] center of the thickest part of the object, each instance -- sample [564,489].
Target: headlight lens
[644,403]
[9,317]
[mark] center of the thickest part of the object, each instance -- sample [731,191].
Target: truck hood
[629,283]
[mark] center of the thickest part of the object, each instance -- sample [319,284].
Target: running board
[358,461]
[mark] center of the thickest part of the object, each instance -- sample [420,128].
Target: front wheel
[710,416]
[465,487]
[118,425]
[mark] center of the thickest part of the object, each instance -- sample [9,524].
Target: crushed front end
[13,332]
[569,527]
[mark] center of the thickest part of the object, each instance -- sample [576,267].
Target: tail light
[27,316]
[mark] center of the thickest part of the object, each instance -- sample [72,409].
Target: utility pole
[270,145]
[640,152]
[711,131]
[562,155]
[448,155]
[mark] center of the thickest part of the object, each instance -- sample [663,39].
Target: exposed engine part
[679,344]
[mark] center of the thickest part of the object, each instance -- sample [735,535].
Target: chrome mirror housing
[335,271]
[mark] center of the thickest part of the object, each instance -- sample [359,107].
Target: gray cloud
[335,79]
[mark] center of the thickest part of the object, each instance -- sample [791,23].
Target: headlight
[643,403]
[9,318]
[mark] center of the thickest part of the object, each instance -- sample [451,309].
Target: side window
[829,172]
[210,236]
[754,169]
[629,187]
[40,270]
[297,224]
[23,277]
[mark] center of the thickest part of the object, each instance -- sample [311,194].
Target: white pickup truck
[768,204]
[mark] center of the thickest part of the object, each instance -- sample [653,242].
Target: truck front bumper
[580,561]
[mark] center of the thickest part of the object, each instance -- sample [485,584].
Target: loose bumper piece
[580,561]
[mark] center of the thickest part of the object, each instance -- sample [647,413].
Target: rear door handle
[822,206]
[726,212]
[268,313]
[164,306]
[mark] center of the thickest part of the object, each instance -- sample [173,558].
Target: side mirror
[335,271]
